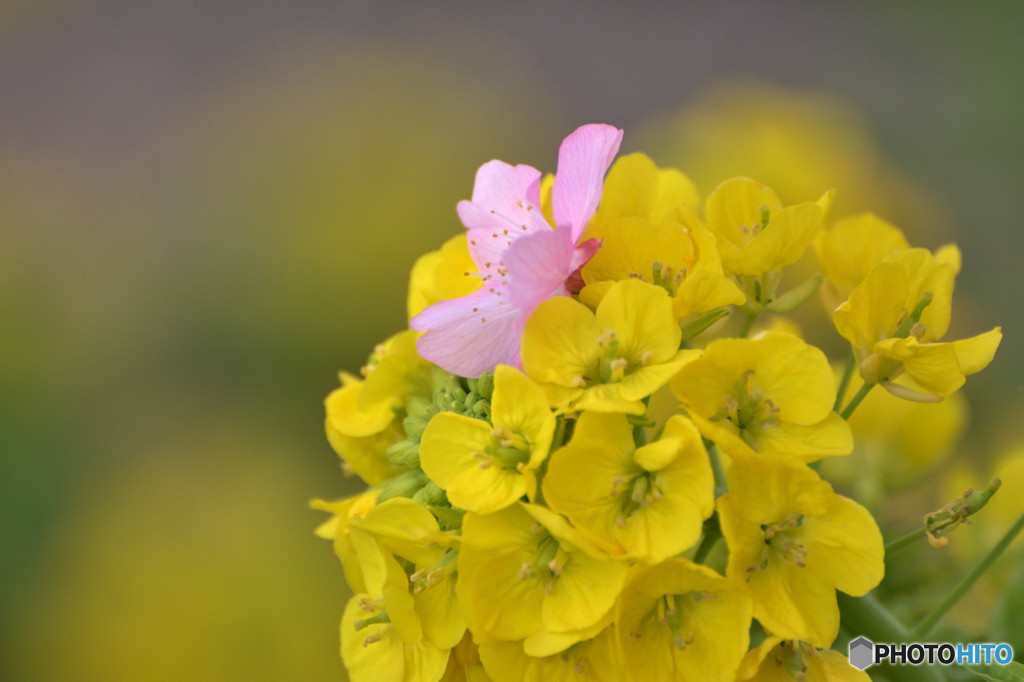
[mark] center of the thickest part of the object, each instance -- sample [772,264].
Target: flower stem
[855,401]
[933,617]
[712,534]
[851,364]
[716,469]
[748,324]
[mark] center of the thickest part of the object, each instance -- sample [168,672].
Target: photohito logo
[864,653]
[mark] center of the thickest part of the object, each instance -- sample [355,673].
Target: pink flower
[521,259]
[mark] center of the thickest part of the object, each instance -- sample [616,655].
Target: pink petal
[501,191]
[538,265]
[583,159]
[505,206]
[470,335]
[583,252]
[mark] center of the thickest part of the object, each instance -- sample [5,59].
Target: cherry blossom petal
[472,334]
[583,159]
[538,265]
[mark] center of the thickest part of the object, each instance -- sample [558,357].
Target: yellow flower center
[674,612]
[507,449]
[636,494]
[751,231]
[747,409]
[612,365]
[548,562]
[665,276]
[782,543]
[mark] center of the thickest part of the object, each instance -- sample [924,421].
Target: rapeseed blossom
[581,468]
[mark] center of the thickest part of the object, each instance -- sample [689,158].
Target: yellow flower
[850,249]
[636,187]
[756,234]
[464,663]
[795,542]
[393,372]
[361,418]
[376,651]
[644,503]
[770,394]
[525,573]
[441,275]
[777,660]
[336,530]
[605,361]
[680,621]
[383,634]
[880,304]
[418,592]
[364,455]
[892,318]
[682,260]
[483,467]
[592,660]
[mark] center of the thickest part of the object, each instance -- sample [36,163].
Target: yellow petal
[560,342]
[844,547]
[782,242]
[792,607]
[849,250]
[831,436]
[735,205]
[706,290]
[519,404]
[641,316]
[451,454]
[636,187]
[441,275]
[346,417]
[933,366]
[975,353]
[875,307]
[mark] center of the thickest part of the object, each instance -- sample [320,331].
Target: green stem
[712,534]
[748,324]
[716,469]
[855,401]
[559,435]
[905,541]
[929,621]
[851,364]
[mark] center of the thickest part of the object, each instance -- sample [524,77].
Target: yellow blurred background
[208,209]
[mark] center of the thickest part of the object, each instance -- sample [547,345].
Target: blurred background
[209,208]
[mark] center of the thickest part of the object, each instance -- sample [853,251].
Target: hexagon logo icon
[862,653]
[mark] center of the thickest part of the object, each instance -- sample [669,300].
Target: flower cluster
[580,414]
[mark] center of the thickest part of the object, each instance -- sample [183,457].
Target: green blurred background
[209,208]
